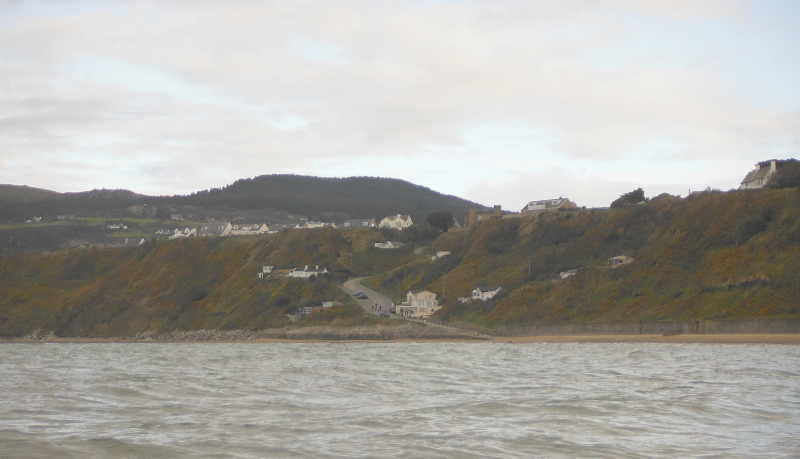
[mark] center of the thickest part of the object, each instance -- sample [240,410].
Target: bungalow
[484,293]
[185,233]
[419,304]
[117,226]
[359,223]
[278,227]
[548,205]
[134,241]
[758,177]
[215,229]
[619,260]
[240,229]
[305,273]
[389,245]
[397,222]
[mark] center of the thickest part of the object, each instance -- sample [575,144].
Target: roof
[756,174]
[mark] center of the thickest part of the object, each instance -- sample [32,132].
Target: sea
[399,400]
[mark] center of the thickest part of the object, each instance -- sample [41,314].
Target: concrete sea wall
[697,327]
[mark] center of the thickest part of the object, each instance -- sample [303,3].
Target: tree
[630,198]
[440,219]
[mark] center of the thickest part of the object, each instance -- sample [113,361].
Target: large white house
[419,304]
[397,222]
[307,272]
[389,245]
[758,177]
[548,205]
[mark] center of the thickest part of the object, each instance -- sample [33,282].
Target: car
[393,310]
[357,293]
[363,296]
[385,314]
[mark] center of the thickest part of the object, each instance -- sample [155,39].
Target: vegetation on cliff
[710,256]
[186,284]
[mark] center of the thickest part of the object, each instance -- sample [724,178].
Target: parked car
[357,293]
[385,314]
[363,296]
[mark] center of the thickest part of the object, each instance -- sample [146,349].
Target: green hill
[15,193]
[710,256]
[327,199]
[187,284]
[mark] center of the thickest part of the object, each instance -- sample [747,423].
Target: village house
[176,217]
[548,205]
[187,232]
[619,261]
[266,270]
[116,226]
[305,273]
[278,227]
[484,293]
[240,229]
[215,229]
[567,274]
[419,304]
[389,245]
[758,177]
[359,223]
[397,222]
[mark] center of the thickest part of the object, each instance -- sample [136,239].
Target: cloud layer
[499,102]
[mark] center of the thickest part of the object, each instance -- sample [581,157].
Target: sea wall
[697,327]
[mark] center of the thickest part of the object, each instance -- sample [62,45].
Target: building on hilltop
[759,176]
[389,245]
[249,228]
[359,223]
[473,217]
[397,222]
[215,229]
[484,293]
[547,205]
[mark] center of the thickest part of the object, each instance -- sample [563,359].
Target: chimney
[772,166]
[758,166]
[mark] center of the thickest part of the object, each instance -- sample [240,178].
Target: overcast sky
[500,102]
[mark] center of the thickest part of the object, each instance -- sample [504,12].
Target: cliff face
[709,256]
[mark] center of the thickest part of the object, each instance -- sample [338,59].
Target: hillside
[710,256]
[326,199]
[187,284]
[15,193]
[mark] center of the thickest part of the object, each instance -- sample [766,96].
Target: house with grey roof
[249,228]
[547,205]
[758,177]
[359,223]
[278,227]
[215,229]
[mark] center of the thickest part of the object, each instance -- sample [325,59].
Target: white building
[484,293]
[397,222]
[419,304]
[758,177]
[389,245]
[240,229]
[215,229]
[548,205]
[305,273]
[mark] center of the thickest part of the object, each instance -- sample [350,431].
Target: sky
[499,102]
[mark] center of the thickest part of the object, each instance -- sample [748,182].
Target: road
[383,301]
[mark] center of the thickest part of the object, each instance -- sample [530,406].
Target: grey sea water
[409,400]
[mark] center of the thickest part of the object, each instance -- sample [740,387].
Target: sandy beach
[674,339]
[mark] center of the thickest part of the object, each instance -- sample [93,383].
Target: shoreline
[670,339]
